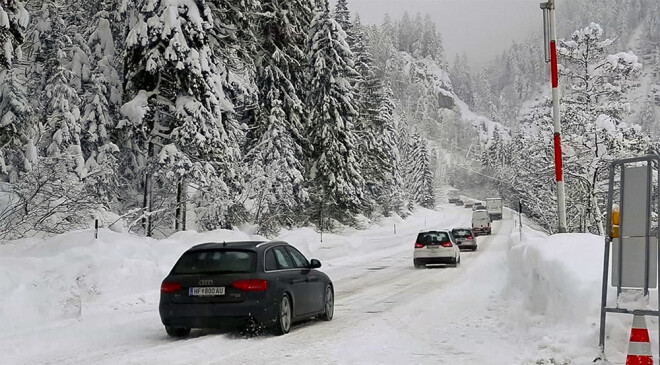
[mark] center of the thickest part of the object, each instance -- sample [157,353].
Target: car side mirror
[314,264]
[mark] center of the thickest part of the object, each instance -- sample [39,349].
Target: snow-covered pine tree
[406,34]
[343,17]
[63,123]
[461,80]
[51,51]
[276,173]
[431,42]
[368,87]
[392,199]
[177,104]
[13,21]
[15,112]
[381,43]
[419,177]
[485,100]
[336,187]
[234,41]
[101,100]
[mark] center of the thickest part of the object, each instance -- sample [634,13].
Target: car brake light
[419,245]
[251,285]
[170,287]
[446,244]
[470,237]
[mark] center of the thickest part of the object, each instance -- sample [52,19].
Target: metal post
[621,231]
[606,261]
[647,232]
[520,219]
[551,31]
[657,232]
[96,228]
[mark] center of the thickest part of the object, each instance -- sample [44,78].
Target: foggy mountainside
[609,56]
[274,114]
[285,114]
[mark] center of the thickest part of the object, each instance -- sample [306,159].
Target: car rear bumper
[434,260]
[480,231]
[467,246]
[216,315]
[442,253]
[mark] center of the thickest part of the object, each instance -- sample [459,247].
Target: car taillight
[251,285]
[170,287]
[470,237]
[419,245]
[446,244]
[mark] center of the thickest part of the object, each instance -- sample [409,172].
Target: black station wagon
[254,285]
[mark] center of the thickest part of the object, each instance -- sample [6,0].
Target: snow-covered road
[386,312]
[72,299]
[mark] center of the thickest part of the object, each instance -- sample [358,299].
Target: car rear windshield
[461,233]
[216,261]
[432,237]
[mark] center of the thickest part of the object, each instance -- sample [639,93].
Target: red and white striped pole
[550,32]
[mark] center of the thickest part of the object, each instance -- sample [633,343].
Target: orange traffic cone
[639,349]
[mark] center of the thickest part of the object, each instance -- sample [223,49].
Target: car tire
[418,265]
[474,249]
[284,316]
[177,332]
[328,304]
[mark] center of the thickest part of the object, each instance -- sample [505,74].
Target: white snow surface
[73,299]
[136,108]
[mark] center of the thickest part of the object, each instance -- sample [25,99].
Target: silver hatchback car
[465,239]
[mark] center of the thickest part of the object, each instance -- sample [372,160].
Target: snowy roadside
[540,293]
[554,295]
[46,280]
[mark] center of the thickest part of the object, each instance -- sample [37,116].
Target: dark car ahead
[464,238]
[254,285]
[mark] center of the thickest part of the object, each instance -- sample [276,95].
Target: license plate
[208,291]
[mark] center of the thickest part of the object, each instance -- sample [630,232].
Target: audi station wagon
[253,285]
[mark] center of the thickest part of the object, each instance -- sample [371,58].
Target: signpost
[550,46]
[630,239]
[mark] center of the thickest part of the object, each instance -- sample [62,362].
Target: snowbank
[46,280]
[560,275]
[60,277]
[554,293]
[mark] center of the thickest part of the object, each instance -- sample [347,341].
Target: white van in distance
[480,222]
[494,208]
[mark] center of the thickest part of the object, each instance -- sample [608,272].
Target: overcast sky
[481,28]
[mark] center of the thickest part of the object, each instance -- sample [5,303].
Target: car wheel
[418,265]
[329,304]
[177,332]
[284,317]
[474,249]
